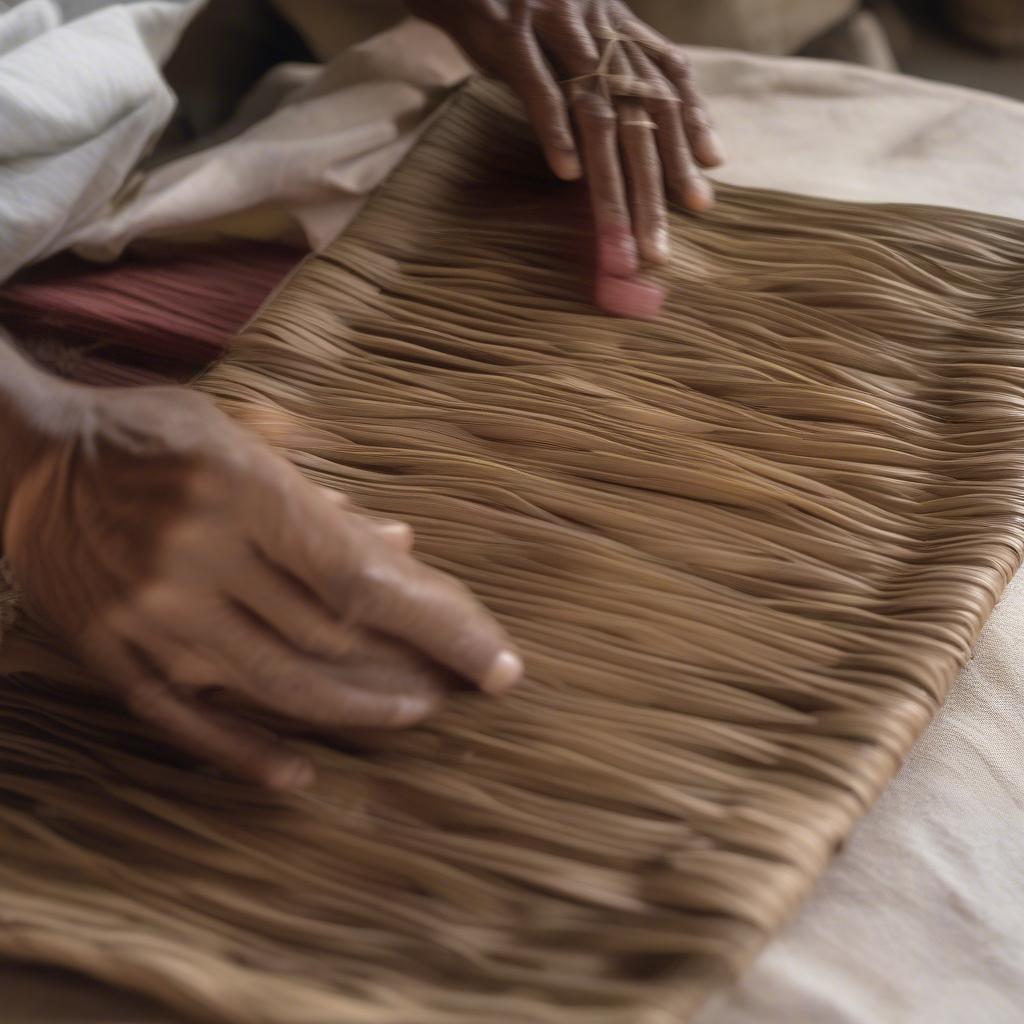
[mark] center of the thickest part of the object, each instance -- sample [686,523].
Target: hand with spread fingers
[612,101]
[180,555]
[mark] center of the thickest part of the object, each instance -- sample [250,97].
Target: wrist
[37,412]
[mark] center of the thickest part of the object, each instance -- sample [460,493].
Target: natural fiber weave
[744,548]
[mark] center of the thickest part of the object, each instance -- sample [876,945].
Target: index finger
[370,582]
[598,129]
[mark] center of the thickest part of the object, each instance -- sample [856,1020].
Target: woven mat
[744,548]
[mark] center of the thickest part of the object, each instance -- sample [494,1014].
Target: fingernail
[713,150]
[337,497]
[566,165]
[660,247]
[698,194]
[506,670]
[410,711]
[298,774]
[394,530]
[616,252]
[629,297]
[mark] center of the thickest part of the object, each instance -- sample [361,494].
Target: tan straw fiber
[744,548]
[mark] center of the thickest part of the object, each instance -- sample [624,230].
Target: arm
[36,410]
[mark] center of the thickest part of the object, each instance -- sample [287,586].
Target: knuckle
[156,600]
[678,177]
[678,65]
[550,99]
[337,498]
[148,700]
[596,112]
[450,590]
[189,534]
[371,572]
[269,674]
[696,118]
[192,672]
[326,637]
[119,617]
[662,105]
[567,32]
[406,712]
[271,773]
[205,484]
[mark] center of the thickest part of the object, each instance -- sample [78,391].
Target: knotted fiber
[744,548]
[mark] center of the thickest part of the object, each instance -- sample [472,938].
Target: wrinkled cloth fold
[308,144]
[81,102]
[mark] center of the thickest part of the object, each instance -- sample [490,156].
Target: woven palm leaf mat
[745,549]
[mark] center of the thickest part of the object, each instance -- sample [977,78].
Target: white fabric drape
[83,100]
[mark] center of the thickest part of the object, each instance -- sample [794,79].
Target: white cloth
[81,101]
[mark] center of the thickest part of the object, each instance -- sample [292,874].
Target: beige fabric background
[762,26]
[921,919]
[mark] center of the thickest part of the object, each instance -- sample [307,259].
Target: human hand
[178,554]
[639,121]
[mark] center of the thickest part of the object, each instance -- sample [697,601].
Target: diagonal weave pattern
[744,548]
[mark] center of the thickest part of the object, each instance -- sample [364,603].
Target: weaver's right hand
[179,554]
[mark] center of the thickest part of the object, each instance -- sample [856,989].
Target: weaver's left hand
[639,123]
